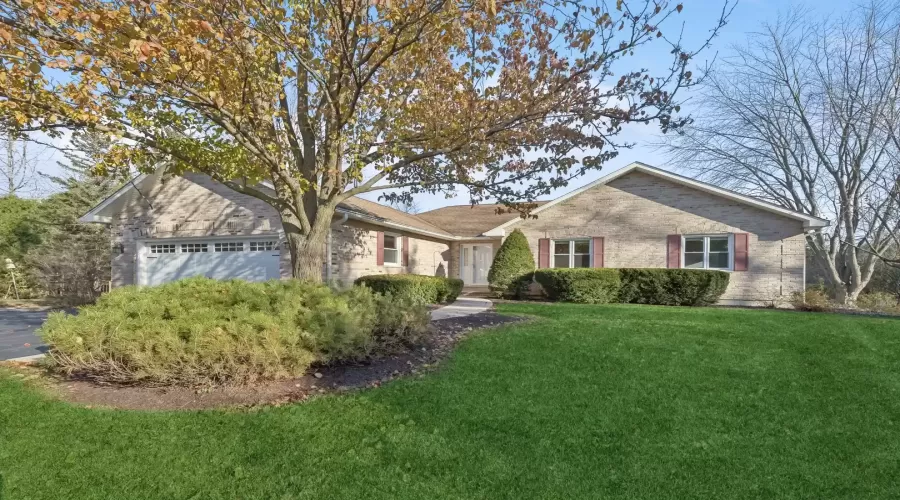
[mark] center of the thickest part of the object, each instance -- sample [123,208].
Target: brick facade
[195,206]
[354,253]
[636,212]
[186,207]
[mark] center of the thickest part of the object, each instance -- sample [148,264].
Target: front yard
[588,402]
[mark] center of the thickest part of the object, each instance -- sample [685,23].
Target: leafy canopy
[329,99]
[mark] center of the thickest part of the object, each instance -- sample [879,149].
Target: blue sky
[699,16]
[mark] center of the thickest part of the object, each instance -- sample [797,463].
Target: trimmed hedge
[417,288]
[513,260]
[668,287]
[672,287]
[581,285]
[202,331]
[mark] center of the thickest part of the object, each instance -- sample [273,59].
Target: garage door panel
[157,269]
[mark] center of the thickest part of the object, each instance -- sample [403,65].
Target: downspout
[328,259]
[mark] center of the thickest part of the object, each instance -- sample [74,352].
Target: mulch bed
[320,380]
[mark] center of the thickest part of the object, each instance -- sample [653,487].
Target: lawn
[587,402]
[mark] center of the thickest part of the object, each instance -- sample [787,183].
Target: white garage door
[251,259]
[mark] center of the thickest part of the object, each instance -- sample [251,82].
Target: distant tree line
[54,254]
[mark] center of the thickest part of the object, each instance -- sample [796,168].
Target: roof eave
[93,215]
[353,214]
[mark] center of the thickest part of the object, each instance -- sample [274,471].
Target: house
[169,227]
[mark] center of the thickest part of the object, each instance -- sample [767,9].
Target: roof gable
[469,220]
[808,220]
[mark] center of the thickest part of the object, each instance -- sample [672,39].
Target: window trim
[706,238]
[218,246]
[572,254]
[261,245]
[163,246]
[399,239]
[203,247]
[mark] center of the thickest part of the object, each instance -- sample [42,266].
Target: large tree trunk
[307,247]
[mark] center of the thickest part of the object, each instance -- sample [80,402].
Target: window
[230,246]
[193,247]
[572,253]
[707,252]
[262,246]
[391,249]
[168,248]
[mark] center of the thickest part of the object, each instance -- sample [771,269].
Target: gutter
[393,225]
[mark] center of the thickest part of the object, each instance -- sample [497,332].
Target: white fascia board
[92,215]
[809,222]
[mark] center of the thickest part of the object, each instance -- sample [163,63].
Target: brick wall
[186,207]
[195,206]
[354,247]
[636,212]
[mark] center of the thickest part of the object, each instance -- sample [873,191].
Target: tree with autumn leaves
[304,104]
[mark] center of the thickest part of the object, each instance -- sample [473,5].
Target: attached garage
[168,259]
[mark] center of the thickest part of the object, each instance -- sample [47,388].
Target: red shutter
[598,252]
[405,251]
[741,251]
[379,251]
[543,253]
[673,253]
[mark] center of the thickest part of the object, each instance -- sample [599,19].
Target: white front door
[475,262]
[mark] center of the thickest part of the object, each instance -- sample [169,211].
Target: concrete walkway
[465,306]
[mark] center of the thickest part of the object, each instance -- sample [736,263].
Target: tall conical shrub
[513,261]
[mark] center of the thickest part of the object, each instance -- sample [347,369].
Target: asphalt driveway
[17,338]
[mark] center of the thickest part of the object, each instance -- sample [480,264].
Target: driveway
[17,338]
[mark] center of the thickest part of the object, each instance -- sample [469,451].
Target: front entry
[474,263]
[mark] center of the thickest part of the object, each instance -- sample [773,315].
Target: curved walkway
[465,306]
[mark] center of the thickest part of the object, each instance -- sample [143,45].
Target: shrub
[206,331]
[417,288]
[512,261]
[672,287]
[880,302]
[583,285]
[812,300]
[400,322]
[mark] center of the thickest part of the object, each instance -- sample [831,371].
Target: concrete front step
[476,291]
[464,306]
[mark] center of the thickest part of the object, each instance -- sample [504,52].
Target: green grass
[589,402]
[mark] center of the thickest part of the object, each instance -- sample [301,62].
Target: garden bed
[334,378]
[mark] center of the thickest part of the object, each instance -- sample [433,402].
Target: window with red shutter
[598,251]
[673,252]
[741,251]
[544,253]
